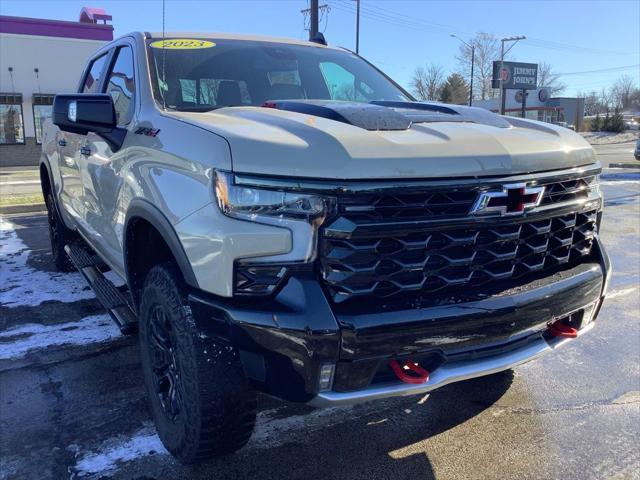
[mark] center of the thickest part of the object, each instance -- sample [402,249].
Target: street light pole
[502,99]
[473,58]
[502,54]
[473,61]
[313,24]
[357,27]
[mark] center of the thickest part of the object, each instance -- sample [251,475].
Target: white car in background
[632,125]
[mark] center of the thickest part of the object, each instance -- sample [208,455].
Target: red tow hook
[409,372]
[559,329]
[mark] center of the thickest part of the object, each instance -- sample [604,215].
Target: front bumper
[284,342]
[448,373]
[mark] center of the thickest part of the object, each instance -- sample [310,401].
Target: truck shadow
[379,440]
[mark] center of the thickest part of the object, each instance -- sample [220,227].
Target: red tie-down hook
[409,371]
[559,329]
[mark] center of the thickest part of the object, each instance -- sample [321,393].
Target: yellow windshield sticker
[182,44]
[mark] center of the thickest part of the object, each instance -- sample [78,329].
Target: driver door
[102,165]
[72,194]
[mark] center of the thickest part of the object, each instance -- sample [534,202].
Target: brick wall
[20,155]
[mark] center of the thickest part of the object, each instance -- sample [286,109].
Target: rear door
[103,166]
[69,144]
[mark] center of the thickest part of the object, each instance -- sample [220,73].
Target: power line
[612,69]
[388,16]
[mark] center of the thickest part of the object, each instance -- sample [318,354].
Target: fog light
[258,279]
[326,376]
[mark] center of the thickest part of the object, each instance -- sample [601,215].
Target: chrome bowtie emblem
[513,199]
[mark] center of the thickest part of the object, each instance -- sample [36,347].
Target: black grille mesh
[385,266]
[454,203]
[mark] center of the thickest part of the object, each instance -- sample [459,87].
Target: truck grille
[454,203]
[382,264]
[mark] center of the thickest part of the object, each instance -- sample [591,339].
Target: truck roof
[235,36]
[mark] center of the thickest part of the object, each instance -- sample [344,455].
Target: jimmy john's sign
[515,75]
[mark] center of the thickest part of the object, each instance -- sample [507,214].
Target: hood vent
[363,115]
[383,116]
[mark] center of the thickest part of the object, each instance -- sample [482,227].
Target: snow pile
[604,138]
[25,286]
[18,341]
[22,285]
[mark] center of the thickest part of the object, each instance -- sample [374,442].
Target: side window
[121,85]
[92,80]
[341,83]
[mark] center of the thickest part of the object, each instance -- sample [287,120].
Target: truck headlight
[251,203]
[301,213]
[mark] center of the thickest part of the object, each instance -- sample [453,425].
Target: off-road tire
[217,405]
[59,235]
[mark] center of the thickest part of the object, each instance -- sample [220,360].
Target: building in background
[39,58]
[541,106]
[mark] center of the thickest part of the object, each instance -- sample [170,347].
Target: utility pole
[502,54]
[313,26]
[357,27]
[473,61]
[313,14]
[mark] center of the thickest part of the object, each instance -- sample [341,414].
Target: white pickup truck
[287,219]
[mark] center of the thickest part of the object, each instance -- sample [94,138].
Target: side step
[106,292]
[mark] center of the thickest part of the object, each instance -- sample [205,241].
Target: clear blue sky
[574,36]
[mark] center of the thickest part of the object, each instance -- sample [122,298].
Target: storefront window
[42,106]
[11,123]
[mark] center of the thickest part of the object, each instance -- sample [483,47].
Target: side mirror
[82,113]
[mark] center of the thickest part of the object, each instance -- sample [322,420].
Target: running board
[106,292]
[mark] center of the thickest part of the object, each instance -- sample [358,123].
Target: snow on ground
[272,429]
[22,285]
[142,443]
[16,342]
[604,138]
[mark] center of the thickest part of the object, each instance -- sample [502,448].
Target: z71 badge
[149,132]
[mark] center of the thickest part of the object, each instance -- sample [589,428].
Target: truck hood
[271,141]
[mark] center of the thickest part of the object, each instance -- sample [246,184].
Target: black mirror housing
[82,113]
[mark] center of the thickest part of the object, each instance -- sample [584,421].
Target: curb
[624,165]
[630,142]
[27,208]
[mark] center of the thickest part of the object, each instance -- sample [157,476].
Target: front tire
[59,235]
[202,404]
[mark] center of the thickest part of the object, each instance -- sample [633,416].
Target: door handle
[86,151]
[62,143]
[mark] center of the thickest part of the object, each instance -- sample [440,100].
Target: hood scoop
[382,115]
[420,112]
[363,115]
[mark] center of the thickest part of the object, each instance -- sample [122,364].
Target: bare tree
[592,103]
[606,100]
[547,78]
[623,92]
[487,49]
[426,83]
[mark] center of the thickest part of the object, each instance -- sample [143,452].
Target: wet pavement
[72,404]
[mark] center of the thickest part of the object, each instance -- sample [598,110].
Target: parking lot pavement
[72,403]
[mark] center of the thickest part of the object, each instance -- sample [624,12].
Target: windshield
[198,74]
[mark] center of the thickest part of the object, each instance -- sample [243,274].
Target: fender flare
[142,209]
[44,161]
